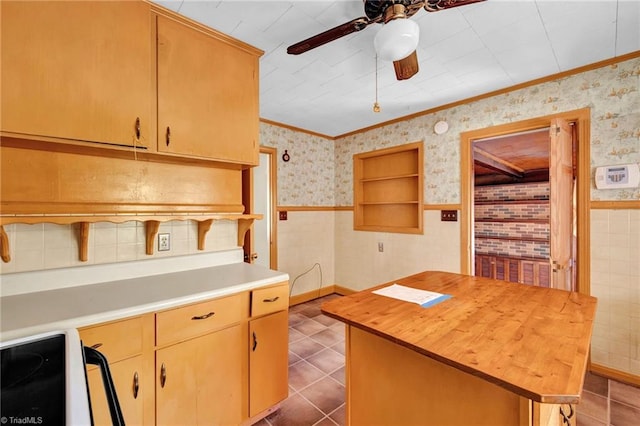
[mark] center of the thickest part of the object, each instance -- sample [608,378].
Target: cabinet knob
[168,135]
[96,346]
[163,375]
[271,300]
[255,342]
[136,385]
[137,127]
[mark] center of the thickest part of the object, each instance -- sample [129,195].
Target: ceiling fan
[397,39]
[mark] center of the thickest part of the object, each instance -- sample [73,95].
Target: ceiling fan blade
[407,67]
[436,5]
[335,33]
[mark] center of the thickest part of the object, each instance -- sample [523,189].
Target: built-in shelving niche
[152,224]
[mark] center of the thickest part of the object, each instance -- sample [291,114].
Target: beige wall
[615,281]
[359,264]
[305,239]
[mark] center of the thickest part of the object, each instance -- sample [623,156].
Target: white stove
[43,380]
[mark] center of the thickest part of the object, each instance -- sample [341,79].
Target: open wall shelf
[152,224]
[388,189]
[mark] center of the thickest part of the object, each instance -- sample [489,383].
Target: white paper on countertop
[423,298]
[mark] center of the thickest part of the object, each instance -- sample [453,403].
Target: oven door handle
[95,357]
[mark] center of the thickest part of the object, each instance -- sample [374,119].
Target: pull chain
[376,105]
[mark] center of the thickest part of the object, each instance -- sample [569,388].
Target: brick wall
[512,224]
[511,192]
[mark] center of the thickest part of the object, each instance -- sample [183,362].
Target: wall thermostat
[616,177]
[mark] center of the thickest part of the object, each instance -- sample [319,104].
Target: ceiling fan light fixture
[397,39]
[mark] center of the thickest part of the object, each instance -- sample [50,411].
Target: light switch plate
[449,215]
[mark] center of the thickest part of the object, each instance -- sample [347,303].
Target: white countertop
[79,306]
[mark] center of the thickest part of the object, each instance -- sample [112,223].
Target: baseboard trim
[611,373]
[343,291]
[311,295]
[316,294]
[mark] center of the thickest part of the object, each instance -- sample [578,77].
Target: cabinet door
[207,96]
[268,361]
[77,70]
[126,375]
[485,266]
[507,269]
[200,381]
[536,272]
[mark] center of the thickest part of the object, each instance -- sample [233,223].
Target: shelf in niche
[152,224]
[388,189]
[380,203]
[382,178]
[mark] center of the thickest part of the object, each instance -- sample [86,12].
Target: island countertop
[532,341]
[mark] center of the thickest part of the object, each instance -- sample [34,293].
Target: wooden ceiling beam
[499,165]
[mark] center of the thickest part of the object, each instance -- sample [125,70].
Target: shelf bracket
[243,227]
[151,230]
[83,241]
[4,246]
[203,228]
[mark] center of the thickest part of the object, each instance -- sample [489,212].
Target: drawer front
[193,320]
[269,299]
[117,340]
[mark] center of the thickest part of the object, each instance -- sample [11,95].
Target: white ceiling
[463,52]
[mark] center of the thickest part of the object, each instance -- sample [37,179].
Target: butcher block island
[486,352]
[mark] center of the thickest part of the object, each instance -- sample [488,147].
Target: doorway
[260,197]
[561,272]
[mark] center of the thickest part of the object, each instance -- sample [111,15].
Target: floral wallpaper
[612,92]
[307,179]
[320,170]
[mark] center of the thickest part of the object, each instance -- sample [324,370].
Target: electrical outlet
[163,242]
[380,247]
[282,215]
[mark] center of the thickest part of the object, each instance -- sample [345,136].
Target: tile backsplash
[47,246]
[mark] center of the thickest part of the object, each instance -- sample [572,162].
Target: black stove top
[32,382]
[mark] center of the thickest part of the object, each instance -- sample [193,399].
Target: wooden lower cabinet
[222,361]
[524,271]
[268,362]
[127,344]
[126,375]
[389,384]
[201,381]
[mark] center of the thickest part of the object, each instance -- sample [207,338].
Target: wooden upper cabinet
[77,70]
[207,95]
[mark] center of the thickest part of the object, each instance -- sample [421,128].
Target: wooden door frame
[582,120]
[247,200]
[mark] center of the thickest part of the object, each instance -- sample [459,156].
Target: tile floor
[316,379]
[607,402]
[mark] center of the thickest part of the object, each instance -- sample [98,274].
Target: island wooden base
[389,384]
